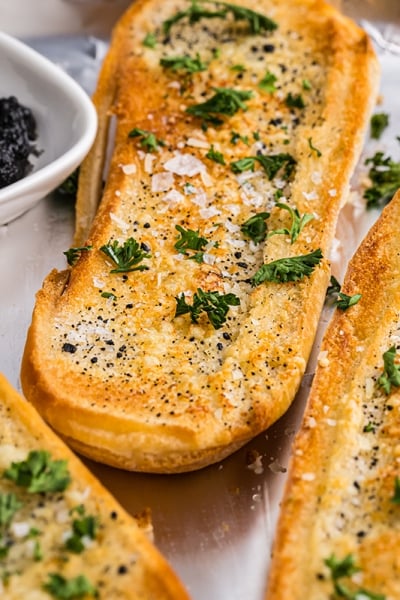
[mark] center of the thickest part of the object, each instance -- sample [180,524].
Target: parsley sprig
[385,178]
[73,254]
[379,122]
[298,222]
[295,101]
[341,569]
[148,141]
[9,504]
[284,270]
[255,227]
[214,304]
[190,240]
[69,589]
[272,164]
[396,492]
[343,301]
[185,64]
[127,257]
[226,101]
[391,373]
[216,156]
[257,22]
[39,473]
[267,83]
[85,527]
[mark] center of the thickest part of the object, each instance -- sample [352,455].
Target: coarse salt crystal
[316,177]
[148,162]
[237,374]
[129,169]
[206,179]
[162,182]
[123,225]
[311,422]
[20,529]
[207,213]
[332,192]
[185,164]
[174,84]
[173,196]
[196,143]
[331,422]
[308,476]
[117,193]
[323,359]
[310,195]
[209,259]
[98,283]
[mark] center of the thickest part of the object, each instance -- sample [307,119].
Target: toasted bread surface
[107,361]
[341,497]
[40,542]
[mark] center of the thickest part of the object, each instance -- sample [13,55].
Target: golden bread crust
[139,388]
[120,561]
[339,495]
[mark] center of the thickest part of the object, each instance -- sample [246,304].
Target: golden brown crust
[346,454]
[180,395]
[120,541]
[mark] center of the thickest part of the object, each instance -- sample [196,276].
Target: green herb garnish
[225,101]
[69,187]
[39,473]
[343,569]
[391,374]
[334,287]
[235,137]
[108,295]
[69,589]
[9,504]
[344,301]
[295,101]
[287,269]
[255,227]
[190,240]
[185,64]
[73,254]
[148,141]
[267,83]
[306,84]
[238,68]
[272,164]
[298,222]
[85,527]
[150,40]
[396,494]
[313,148]
[214,304]
[368,428]
[216,156]
[385,177]
[379,122]
[127,257]
[257,22]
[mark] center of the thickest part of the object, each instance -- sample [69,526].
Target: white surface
[66,122]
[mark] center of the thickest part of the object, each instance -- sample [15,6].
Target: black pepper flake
[269,48]
[69,348]
[226,335]
[129,305]
[93,360]
[220,346]
[122,570]
[114,515]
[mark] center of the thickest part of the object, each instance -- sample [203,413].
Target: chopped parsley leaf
[69,589]
[9,504]
[148,141]
[343,301]
[298,222]
[238,68]
[385,178]
[69,187]
[334,287]
[257,22]
[39,473]
[190,240]
[287,269]
[235,137]
[127,257]
[313,148]
[271,164]
[185,63]
[255,227]
[306,84]
[343,569]
[73,254]
[368,428]
[150,40]
[85,527]
[214,304]
[391,374]
[226,101]
[379,122]
[295,101]
[216,156]
[108,295]
[267,83]
[396,494]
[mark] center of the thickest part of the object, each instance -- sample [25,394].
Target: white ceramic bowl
[66,123]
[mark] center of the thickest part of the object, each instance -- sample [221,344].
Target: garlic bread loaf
[183,326]
[339,529]
[62,535]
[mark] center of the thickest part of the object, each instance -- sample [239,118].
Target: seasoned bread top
[61,533]
[218,114]
[342,499]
